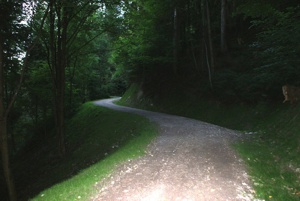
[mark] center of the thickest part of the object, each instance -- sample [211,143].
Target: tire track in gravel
[190,160]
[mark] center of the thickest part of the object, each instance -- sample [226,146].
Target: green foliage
[257,8]
[144,42]
[275,50]
[33,106]
[14,39]
[89,75]
[280,46]
[264,58]
[98,140]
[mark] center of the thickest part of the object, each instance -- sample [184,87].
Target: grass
[272,155]
[98,140]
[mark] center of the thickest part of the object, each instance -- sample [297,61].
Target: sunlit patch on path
[190,160]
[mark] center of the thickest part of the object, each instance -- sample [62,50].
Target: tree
[57,43]
[207,38]
[224,48]
[3,130]
[72,28]
[8,18]
[67,40]
[10,22]
[62,14]
[275,47]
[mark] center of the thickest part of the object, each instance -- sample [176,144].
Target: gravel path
[190,160]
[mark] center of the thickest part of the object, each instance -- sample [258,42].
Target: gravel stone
[190,160]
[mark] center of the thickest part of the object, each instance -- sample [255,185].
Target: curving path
[190,160]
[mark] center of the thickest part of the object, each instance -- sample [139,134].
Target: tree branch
[25,66]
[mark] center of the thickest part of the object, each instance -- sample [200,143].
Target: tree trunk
[176,32]
[6,161]
[59,84]
[3,132]
[63,66]
[210,44]
[58,53]
[224,48]
[208,48]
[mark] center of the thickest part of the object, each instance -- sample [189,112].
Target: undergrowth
[98,139]
[272,151]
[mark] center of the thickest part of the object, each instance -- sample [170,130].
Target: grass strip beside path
[99,140]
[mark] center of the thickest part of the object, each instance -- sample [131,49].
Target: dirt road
[190,160]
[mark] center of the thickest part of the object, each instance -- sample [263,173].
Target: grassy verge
[272,155]
[98,139]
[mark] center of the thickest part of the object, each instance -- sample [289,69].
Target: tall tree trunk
[59,83]
[52,60]
[224,48]
[208,48]
[210,44]
[176,31]
[3,131]
[58,52]
[63,66]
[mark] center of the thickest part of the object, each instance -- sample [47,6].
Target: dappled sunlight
[161,192]
[158,193]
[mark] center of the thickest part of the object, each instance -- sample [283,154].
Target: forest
[56,55]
